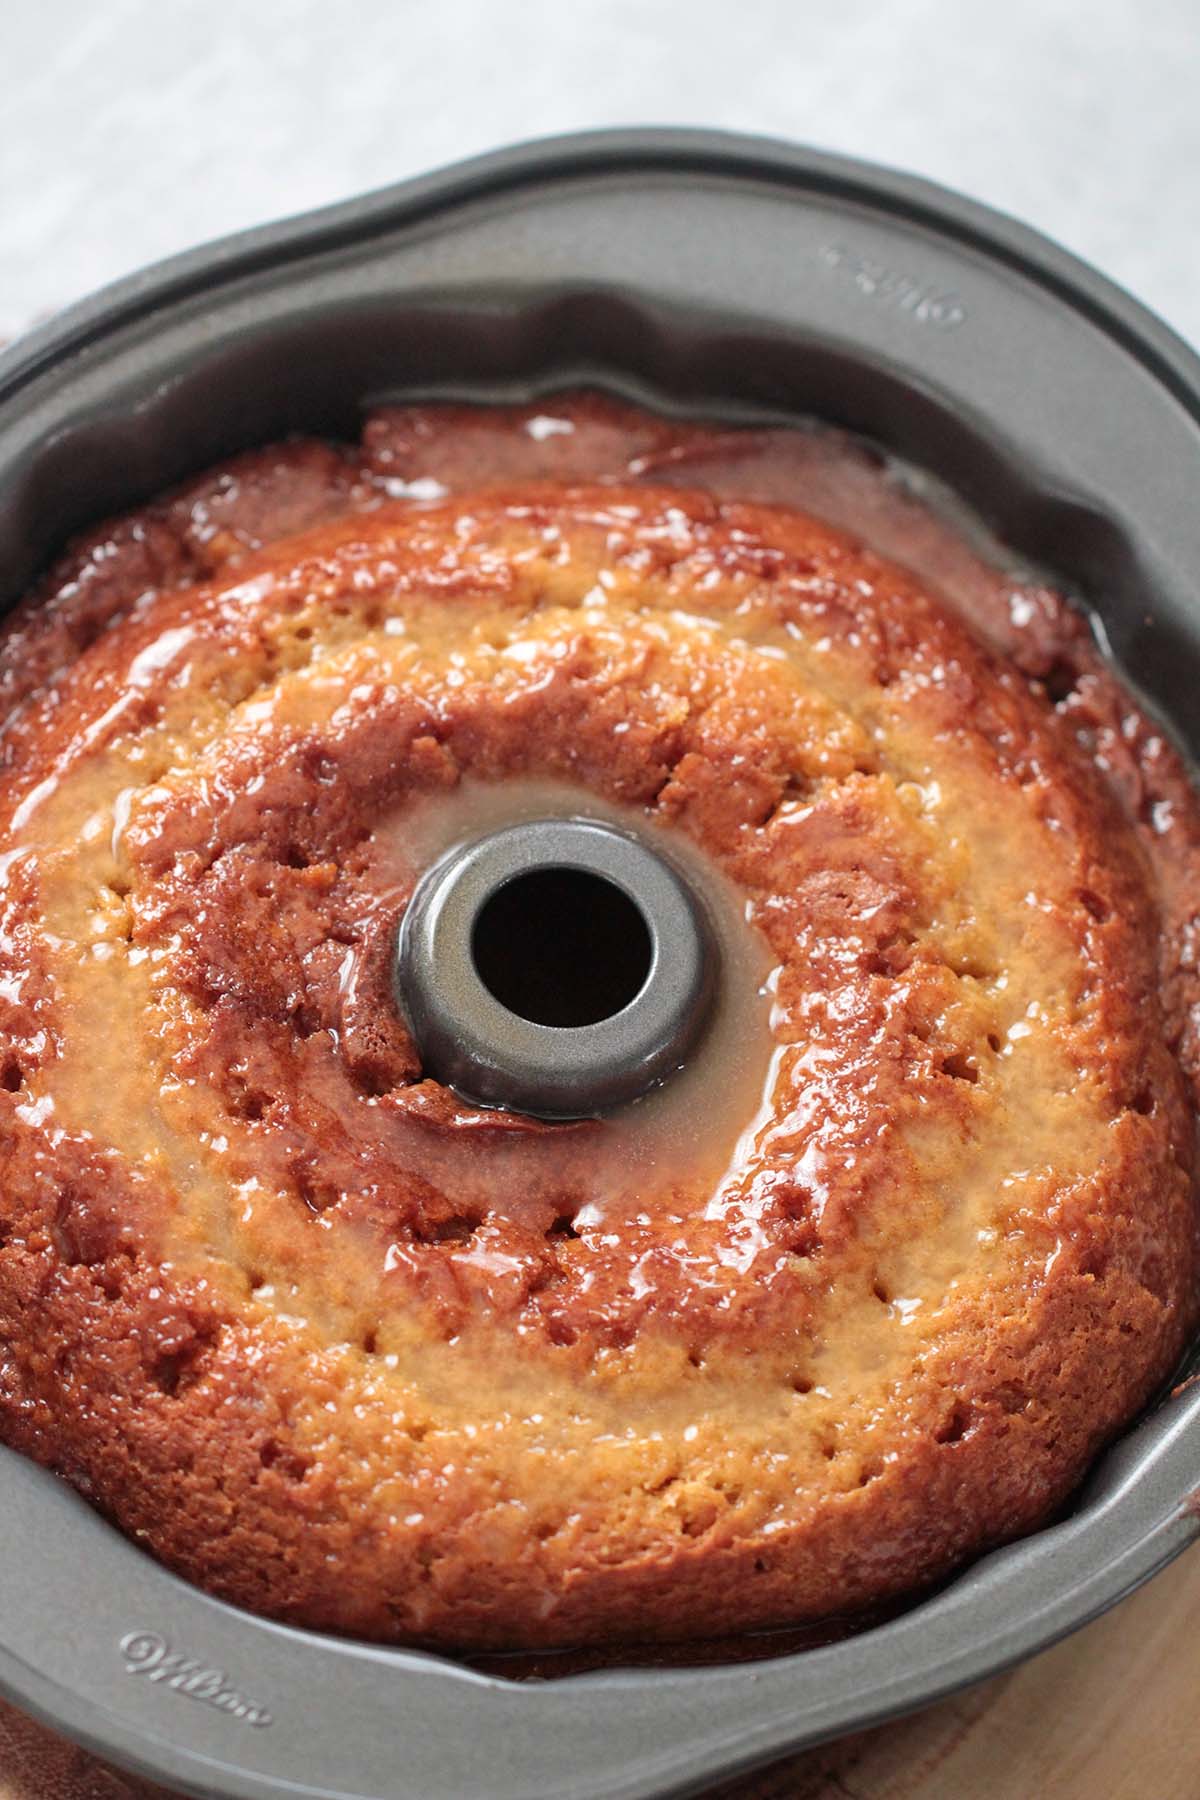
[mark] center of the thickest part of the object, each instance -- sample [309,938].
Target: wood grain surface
[1112,1714]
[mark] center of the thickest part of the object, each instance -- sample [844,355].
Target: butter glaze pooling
[861,1300]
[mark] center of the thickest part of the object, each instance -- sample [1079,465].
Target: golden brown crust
[352,1353]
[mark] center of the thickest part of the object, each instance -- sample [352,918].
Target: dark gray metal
[712,275]
[487,1052]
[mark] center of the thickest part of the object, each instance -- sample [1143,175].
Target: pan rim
[354,222]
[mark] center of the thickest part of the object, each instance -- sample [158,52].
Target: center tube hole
[561,947]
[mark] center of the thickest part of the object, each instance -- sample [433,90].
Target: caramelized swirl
[858,1294]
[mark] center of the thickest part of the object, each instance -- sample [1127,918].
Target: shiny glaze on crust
[347,1350]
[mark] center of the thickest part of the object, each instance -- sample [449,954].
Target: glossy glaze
[857,1295]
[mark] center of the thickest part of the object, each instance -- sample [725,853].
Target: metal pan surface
[711,275]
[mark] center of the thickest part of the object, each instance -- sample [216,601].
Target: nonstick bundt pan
[704,274]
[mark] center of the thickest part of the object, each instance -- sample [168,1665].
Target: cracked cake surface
[854,1298]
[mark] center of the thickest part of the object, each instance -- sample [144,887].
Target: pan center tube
[558,967]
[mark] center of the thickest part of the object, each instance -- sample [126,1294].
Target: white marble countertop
[132,128]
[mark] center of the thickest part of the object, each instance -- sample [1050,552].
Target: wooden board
[1112,1714]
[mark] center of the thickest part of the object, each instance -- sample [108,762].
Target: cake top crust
[854,1294]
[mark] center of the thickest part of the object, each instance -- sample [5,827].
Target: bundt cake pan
[704,274]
